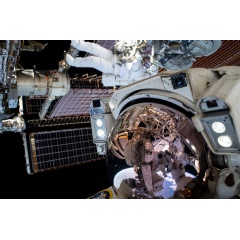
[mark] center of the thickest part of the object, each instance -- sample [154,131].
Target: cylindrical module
[30,83]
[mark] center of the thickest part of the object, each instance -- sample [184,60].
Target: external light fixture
[99,130]
[221,132]
[100,133]
[225,141]
[218,127]
[101,126]
[99,122]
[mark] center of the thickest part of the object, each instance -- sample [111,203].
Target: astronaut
[111,63]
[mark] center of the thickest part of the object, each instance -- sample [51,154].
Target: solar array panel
[77,102]
[62,148]
[58,121]
[34,105]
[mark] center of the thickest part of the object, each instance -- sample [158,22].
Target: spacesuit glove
[75,43]
[70,60]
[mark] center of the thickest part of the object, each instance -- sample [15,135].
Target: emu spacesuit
[107,62]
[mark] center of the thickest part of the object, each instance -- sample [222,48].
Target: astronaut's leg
[92,48]
[92,62]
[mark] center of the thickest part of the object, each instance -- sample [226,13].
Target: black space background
[80,181]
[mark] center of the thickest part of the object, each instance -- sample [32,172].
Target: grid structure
[77,101]
[34,105]
[62,148]
[58,121]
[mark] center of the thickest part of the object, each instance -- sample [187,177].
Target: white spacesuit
[107,62]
